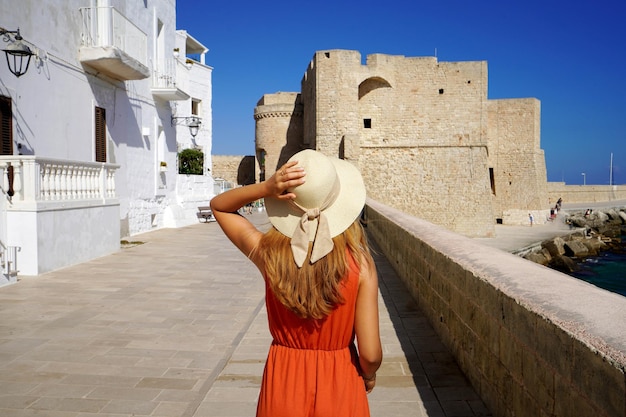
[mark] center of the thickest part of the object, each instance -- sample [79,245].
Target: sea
[608,270]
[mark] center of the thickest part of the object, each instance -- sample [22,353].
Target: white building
[89,132]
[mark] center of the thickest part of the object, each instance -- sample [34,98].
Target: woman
[321,286]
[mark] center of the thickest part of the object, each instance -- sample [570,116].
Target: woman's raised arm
[237,228]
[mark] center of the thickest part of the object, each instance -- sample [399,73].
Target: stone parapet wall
[585,193]
[533,341]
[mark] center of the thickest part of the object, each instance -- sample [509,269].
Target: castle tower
[278,130]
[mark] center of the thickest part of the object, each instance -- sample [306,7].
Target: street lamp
[194,126]
[16,51]
[192,122]
[584,178]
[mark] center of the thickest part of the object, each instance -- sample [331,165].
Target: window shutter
[6,126]
[101,135]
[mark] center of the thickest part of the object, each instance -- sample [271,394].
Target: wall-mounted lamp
[16,52]
[192,122]
[194,126]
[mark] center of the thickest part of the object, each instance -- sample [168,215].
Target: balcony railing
[165,75]
[165,83]
[111,42]
[45,183]
[8,261]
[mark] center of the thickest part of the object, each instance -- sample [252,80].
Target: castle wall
[332,94]
[443,185]
[585,193]
[518,162]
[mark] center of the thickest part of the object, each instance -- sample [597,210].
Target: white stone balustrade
[48,183]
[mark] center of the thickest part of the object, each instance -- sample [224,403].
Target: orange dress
[311,368]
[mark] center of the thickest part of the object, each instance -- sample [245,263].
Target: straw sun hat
[328,202]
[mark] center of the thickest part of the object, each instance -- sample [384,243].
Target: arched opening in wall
[245,171]
[371,84]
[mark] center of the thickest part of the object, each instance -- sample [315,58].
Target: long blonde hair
[314,290]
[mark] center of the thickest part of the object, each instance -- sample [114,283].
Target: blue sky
[569,55]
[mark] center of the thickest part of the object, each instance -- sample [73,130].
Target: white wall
[53,108]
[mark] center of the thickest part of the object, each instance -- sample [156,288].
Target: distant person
[320,283]
[558,203]
[531,218]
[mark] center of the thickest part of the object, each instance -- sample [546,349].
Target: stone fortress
[423,133]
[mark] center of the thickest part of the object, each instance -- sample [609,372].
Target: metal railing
[164,74]
[105,26]
[8,260]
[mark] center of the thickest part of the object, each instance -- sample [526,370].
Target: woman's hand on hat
[288,176]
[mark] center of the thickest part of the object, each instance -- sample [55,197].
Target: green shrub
[191,161]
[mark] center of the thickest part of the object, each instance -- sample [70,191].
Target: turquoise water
[606,271]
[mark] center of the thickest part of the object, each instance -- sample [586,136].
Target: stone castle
[425,136]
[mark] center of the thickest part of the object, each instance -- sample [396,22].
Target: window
[101,135]
[195,107]
[367,123]
[6,126]
[493,181]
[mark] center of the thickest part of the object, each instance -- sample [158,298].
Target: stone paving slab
[176,327]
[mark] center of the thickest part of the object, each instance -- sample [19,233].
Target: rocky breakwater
[592,232]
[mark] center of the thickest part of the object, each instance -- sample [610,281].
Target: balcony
[41,184]
[112,44]
[164,82]
[57,212]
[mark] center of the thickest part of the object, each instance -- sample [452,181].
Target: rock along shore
[593,231]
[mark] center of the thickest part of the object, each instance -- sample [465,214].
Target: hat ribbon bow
[322,242]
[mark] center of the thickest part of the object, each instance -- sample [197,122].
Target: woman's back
[318,298]
[311,368]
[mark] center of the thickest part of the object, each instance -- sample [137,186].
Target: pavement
[514,239]
[174,325]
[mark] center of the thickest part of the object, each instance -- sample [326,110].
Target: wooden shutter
[101,135]
[6,126]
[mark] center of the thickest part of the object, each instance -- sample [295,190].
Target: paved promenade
[176,326]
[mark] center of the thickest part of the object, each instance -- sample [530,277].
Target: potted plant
[163,166]
[191,162]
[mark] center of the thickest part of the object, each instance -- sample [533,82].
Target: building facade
[91,131]
[425,136]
